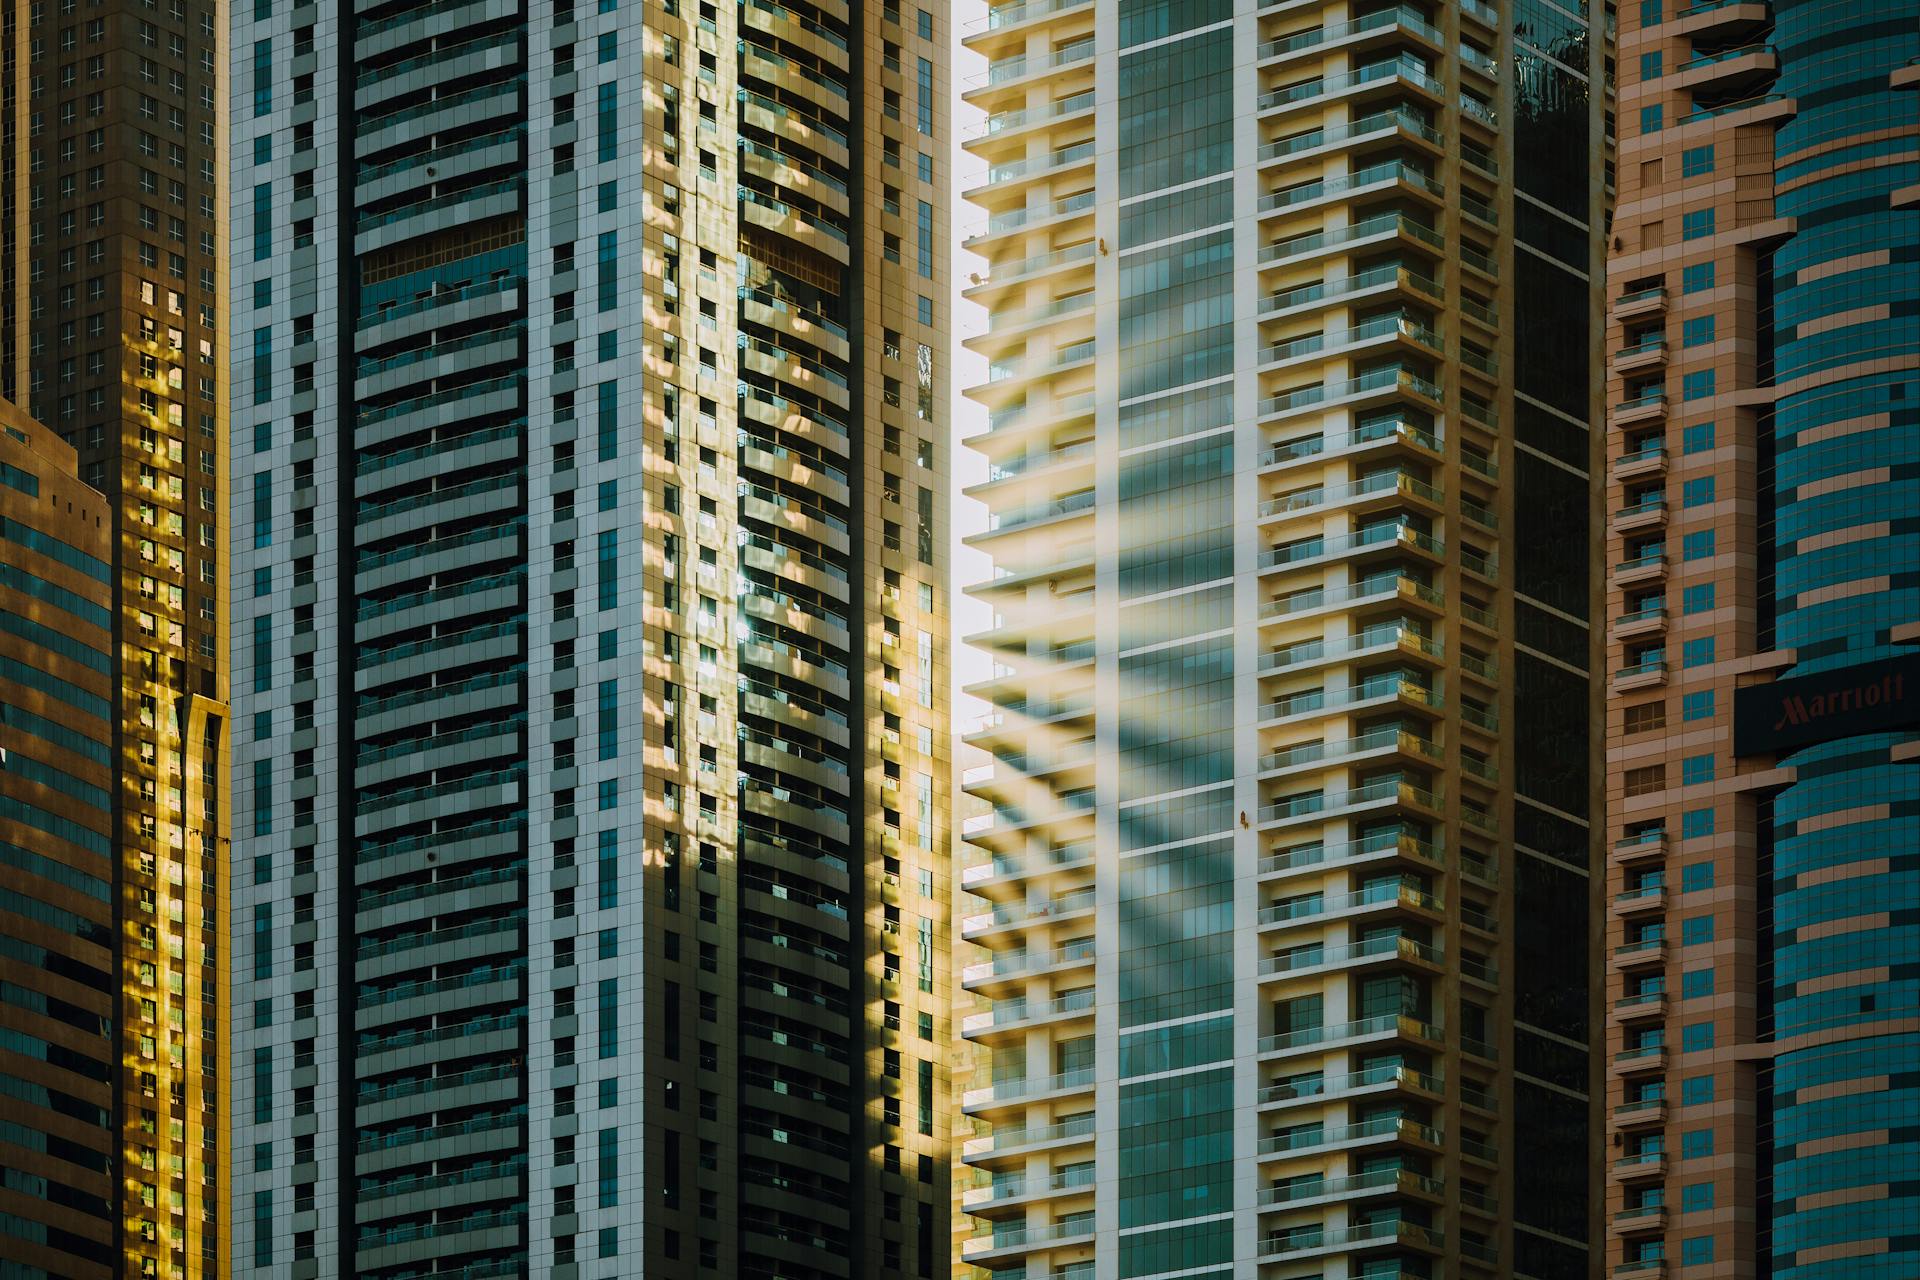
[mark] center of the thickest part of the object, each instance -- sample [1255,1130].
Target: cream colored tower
[1282,903]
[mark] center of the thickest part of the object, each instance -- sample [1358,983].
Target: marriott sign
[1874,697]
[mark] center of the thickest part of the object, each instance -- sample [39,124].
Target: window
[1645,781]
[1697,653]
[1695,930]
[1695,770]
[1697,705]
[1696,982]
[1649,13]
[1696,1036]
[1645,717]
[1697,599]
[1696,277]
[1650,65]
[1696,822]
[1697,492]
[1696,1196]
[1696,332]
[1695,1090]
[1696,1143]
[1697,385]
[1696,1251]
[1696,223]
[1697,546]
[1651,118]
[1696,438]
[1695,161]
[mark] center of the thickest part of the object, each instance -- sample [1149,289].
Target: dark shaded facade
[59,977]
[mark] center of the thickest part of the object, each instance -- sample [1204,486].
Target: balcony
[1377,847]
[1321,908]
[1636,1005]
[1366,438]
[1643,1164]
[1641,302]
[1021,70]
[1391,21]
[1645,674]
[1020,1014]
[1640,952]
[1373,333]
[1649,353]
[1377,178]
[1646,897]
[1371,386]
[1366,128]
[1010,1092]
[1000,523]
[1649,567]
[1376,690]
[1647,512]
[1029,216]
[1018,18]
[1639,1058]
[1381,1079]
[1641,844]
[1648,406]
[1018,1189]
[1640,1217]
[1372,745]
[1024,270]
[1401,635]
[1648,460]
[1317,1139]
[1021,1140]
[1721,19]
[1303,961]
[1369,231]
[1382,588]
[1014,872]
[1022,964]
[1403,71]
[1640,1111]
[1341,1035]
[1371,540]
[1020,915]
[1335,289]
[1309,1242]
[1008,1241]
[1744,68]
[1294,1195]
[1641,1268]
[1324,806]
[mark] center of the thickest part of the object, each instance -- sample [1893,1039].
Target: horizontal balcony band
[1022,1013]
[1324,958]
[1323,1087]
[1402,19]
[1341,1034]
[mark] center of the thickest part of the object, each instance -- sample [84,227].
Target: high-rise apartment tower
[59,968]
[1291,315]
[588,912]
[111,309]
[1763,733]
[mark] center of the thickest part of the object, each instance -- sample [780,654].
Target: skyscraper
[1764,620]
[1291,309]
[59,969]
[110,328]
[588,909]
